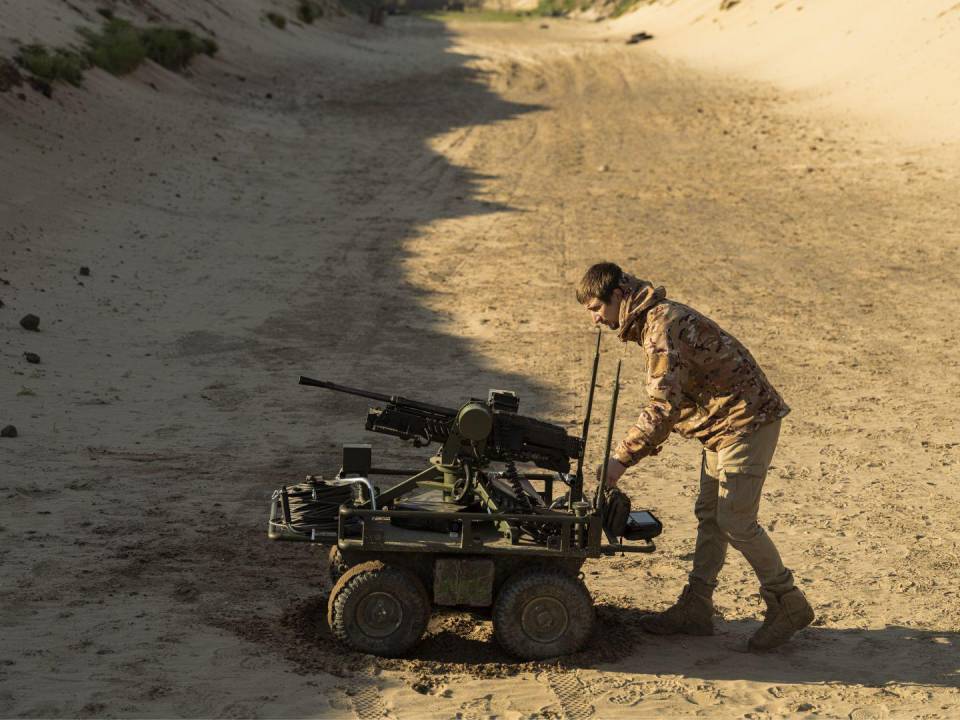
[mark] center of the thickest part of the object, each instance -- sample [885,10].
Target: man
[702,383]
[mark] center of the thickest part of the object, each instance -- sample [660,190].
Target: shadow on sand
[876,657]
[870,657]
[361,319]
[462,642]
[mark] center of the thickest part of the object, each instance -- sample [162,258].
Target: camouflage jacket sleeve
[664,389]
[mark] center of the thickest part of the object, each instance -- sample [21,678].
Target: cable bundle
[313,507]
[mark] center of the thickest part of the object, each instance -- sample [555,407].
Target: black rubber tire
[542,613]
[378,609]
[337,564]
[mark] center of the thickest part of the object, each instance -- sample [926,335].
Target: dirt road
[417,227]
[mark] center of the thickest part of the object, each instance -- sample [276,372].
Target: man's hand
[615,470]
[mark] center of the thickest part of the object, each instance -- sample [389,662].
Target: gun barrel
[391,399]
[304,380]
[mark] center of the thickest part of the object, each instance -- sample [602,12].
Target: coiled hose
[313,506]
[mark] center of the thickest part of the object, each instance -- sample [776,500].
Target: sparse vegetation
[277,20]
[308,11]
[622,6]
[556,8]
[609,8]
[173,48]
[475,15]
[50,65]
[119,47]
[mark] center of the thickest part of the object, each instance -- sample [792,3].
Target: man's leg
[711,548]
[742,468]
[692,613]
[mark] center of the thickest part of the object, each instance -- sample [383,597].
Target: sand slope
[892,64]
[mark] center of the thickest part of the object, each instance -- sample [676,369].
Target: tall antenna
[598,499]
[576,493]
[613,417]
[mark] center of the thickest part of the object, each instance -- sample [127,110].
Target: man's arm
[664,388]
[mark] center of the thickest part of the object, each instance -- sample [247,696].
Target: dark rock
[84,270]
[32,358]
[21,96]
[639,37]
[30,322]
[269,96]
[9,431]
[10,77]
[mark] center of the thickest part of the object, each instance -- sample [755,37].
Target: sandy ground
[891,64]
[416,226]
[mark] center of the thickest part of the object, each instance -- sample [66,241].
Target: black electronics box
[357,460]
[642,525]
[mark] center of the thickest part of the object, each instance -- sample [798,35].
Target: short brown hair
[599,281]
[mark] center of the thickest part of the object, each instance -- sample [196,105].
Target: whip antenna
[613,417]
[598,500]
[577,493]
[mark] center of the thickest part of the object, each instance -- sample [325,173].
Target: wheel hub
[379,614]
[544,619]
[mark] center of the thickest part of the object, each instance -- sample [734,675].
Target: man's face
[605,313]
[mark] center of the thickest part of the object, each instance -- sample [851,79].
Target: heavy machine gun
[479,432]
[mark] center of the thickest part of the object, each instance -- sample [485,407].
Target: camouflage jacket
[701,381]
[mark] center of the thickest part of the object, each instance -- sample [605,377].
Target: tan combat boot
[784,616]
[691,614]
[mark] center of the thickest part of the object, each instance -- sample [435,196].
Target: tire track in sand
[366,702]
[570,692]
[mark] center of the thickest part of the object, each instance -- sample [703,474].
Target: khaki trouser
[731,480]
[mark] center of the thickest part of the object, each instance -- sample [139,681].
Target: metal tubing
[353,481]
[621,548]
[285,501]
[557,518]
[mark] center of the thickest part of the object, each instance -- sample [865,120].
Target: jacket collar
[638,297]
